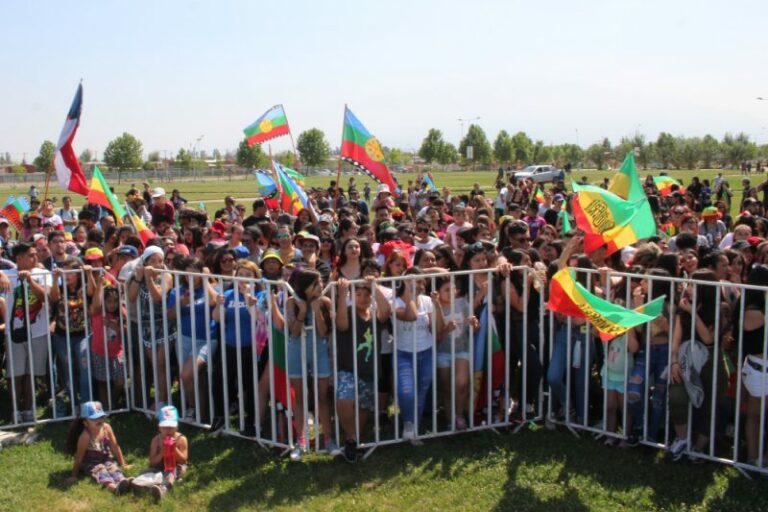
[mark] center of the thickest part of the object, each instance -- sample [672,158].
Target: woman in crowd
[349,261]
[693,340]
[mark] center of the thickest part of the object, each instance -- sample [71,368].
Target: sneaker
[550,422]
[409,433]
[295,454]
[632,441]
[332,448]
[350,451]
[217,425]
[123,486]
[158,491]
[610,442]
[27,416]
[299,449]
[678,449]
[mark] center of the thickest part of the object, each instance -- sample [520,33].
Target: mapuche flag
[363,150]
[68,171]
[142,230]
[568,297]
[270,125]
[293,199]
[101,195]
[609,220]
[14,210]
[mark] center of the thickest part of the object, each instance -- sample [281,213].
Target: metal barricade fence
[58,351]
[642,401]
[257,359]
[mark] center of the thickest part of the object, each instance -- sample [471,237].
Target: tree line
[125,152]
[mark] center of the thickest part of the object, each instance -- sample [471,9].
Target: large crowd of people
[392,336]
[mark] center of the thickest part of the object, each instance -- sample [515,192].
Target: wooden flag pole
[338,169]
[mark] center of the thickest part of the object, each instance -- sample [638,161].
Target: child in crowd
[107,355]
[96,451]
[168,451]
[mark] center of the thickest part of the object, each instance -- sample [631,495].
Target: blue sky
[170,71]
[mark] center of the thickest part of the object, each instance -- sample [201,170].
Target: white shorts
[754,374]
[18,354]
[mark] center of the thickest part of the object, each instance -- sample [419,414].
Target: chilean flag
[68,171]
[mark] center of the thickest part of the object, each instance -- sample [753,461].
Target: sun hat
[383,189]
[94,253]
[92,411]
[271,254]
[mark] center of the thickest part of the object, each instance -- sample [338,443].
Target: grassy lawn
[532,470]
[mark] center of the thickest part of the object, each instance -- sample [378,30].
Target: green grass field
[213,191]
[532,470]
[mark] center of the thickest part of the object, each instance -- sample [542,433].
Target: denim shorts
[345,390]
[444,358]
[320,368]
[201,345]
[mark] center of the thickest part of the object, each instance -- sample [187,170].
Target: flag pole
[293,144]
[48,179]
[277,180]
[338,168]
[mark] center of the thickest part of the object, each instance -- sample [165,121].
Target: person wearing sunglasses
[288,252]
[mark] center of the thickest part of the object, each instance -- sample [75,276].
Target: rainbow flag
[142,230]
[609,220]
[270,125]
[363,150]
[538,196]
[292,196]
[664,185]
[101,195]
[568,297]
[14,210]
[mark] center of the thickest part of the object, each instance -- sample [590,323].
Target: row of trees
[667,151]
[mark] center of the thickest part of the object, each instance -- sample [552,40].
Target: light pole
[462,121]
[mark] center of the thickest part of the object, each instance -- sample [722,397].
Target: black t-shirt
[551,217]
[366,356]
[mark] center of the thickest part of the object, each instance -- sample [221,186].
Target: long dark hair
[301,279]
[73,436]
[707,298]
[343,251]
[446,252]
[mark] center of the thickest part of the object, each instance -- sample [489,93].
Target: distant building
[9,168]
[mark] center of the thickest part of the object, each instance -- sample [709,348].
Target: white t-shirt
[15,309]
[501,200]
[429,244]
[416,334]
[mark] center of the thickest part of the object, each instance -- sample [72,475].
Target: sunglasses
[326,240]
[227,259]
[283,236]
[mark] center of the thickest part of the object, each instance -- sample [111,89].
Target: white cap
[158,192]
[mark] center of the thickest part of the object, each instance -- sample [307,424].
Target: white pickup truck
[540,173]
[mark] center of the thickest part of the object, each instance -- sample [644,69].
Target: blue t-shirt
[231,307]
[201,328]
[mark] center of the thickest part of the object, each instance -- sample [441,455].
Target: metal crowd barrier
[253,386]
[58,370]
[720,439]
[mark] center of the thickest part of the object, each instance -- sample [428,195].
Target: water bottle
[576,359]
[169,454]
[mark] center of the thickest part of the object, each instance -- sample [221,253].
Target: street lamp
[462,121]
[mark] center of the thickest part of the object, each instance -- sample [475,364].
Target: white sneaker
[296,455]
[678,449]
[409,433]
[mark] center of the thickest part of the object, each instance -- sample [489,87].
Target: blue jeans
[558,367]
[658,360]
[77,352]
[407,386]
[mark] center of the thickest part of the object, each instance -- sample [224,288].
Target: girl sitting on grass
[94,446]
